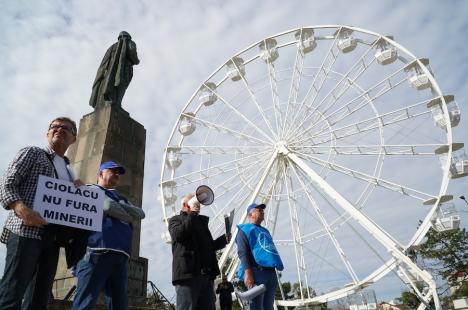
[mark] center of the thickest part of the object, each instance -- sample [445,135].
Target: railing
[163,301]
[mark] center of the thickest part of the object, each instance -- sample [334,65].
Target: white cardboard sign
[60,202]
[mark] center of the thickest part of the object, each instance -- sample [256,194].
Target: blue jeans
[30,268]
[99,270]
[264,301]
[196,293]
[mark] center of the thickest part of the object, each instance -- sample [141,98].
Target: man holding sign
[105,263]
[32,251]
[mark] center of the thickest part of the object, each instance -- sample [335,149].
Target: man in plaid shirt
[32,255]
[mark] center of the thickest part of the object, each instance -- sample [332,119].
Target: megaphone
[252,293]
[203,195]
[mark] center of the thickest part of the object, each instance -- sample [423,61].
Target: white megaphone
[252,293]
[203,195]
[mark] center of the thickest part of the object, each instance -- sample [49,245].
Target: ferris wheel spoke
[250,174]
[274,95]
[233,181]
[390,118]
[226,130]
[239,113]
[319,78]
[294,88]
[257,105]
[273,188]
[377,232]
[223,150]
[340,220]
[238,199]
[405,190]
[212,171]
[347,80]
[296,234]
[387,149]
[326,226]
[357,103]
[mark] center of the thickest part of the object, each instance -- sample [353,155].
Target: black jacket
[193,247]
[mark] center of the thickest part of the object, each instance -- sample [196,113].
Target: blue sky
[51,50]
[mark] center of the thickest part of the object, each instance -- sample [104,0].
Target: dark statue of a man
[114,73]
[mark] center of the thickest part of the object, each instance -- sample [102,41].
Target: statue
[115,73]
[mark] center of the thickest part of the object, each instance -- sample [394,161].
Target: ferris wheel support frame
[377,232]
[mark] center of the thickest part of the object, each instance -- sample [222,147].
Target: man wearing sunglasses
[32,248]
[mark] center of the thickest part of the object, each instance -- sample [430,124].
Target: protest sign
[60,202]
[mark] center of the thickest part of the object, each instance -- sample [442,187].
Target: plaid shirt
[19,183]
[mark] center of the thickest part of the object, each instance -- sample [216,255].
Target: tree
[409,300]
[446,255]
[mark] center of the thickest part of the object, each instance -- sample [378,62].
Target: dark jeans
[196,294]
[106,270]
[266,300]
[30,268]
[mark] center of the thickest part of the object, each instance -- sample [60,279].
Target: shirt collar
[51,154]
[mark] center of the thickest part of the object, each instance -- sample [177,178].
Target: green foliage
[446,253]
[410,300]
[462,291]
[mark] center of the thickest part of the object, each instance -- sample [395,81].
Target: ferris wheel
[346,137]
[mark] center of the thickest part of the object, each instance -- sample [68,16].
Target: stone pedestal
[110,134]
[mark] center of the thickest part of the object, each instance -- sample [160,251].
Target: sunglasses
[64,127]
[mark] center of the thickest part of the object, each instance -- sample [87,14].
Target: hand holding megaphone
[203,196]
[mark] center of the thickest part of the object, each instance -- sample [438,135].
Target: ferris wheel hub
[281,147]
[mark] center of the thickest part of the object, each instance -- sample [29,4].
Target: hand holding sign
[28,215]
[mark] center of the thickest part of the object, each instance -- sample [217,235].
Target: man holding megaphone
[194,263]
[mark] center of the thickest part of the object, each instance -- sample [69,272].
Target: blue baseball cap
[112,165]
[254,206]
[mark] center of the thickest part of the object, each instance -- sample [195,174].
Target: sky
[50,52]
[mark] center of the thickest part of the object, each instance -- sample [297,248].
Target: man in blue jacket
[259,257]
[105,263]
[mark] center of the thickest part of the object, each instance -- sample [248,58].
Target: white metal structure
[363,300]
[330,127]
[447,218]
